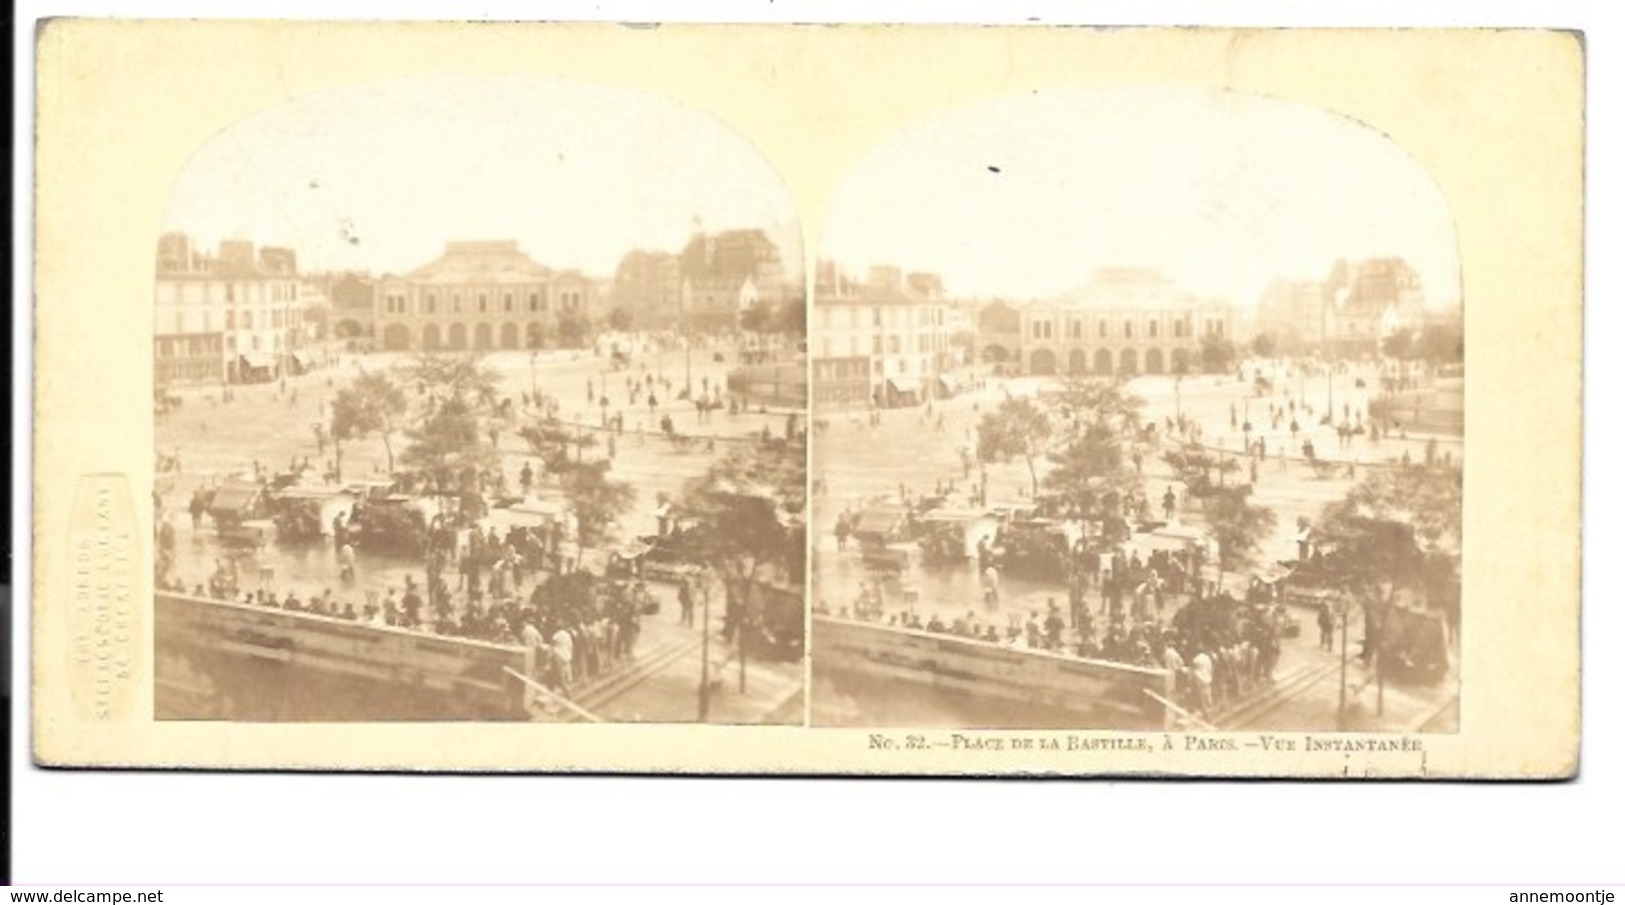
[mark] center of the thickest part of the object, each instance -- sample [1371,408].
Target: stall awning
[234,497]
[303,360]
[950,384]
[258,360]
[880,521]
[903,384]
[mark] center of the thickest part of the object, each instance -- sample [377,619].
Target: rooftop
[490,261]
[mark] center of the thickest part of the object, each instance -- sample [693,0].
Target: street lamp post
[1343,672]
[705,651]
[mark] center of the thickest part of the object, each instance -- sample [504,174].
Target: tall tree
[748,506]
[1239,526]
[1218,353]
[1017,429]
[1397,532]
[447,447]
[457,377]
[574,328]
[1099,400]
[372,404]
[596,500]
[1089,461]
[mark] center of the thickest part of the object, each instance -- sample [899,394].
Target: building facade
[1125,321]
[648,287]
[1348,314]
[883,341]
[236,316]
[482,296]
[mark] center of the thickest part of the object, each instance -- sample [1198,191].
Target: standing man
[1168,503]
[1324,619]
[685,603]
[563,659]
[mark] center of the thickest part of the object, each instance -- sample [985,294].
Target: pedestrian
[347,563]
[1324,620]
[1168,503]
[563,660]
[1202,675]
[685,603]
[526,476]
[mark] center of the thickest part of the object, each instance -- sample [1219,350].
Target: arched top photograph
[1167,386]
[486,380]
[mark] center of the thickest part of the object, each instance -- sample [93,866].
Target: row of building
[897,339]
[1346,315]
[241,315]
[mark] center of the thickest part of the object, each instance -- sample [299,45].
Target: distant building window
[1128,328]
[1179,329]
[507,302]
[456,303]
[428,303]
[231,320]
[893,344]
[877,317]
[535,302]
[1102,329]
[1153,329]
[248,320]
[880,348]
[482,303]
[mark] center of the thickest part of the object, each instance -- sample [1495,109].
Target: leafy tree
[1017,429]
[573,329]
[372,404]
[1396,532]
[758,318]
[457,377]
[620,319]
[1440,343]
[448,447]
[1398,345]
[1263,345]
[1218,353]
[1089,461]
[596,500]
[1090,465]
[1095,400]
[1238,525]
[748,506]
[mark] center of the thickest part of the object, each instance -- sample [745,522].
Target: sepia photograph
[1138,409]
[855,401]
[479,399]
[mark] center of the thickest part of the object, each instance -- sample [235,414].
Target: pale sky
[1223,192]
[577,173]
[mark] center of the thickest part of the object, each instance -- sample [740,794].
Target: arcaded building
[1124,321]
[479,296]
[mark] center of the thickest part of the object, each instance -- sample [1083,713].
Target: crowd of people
[578,624]
[1217,649]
